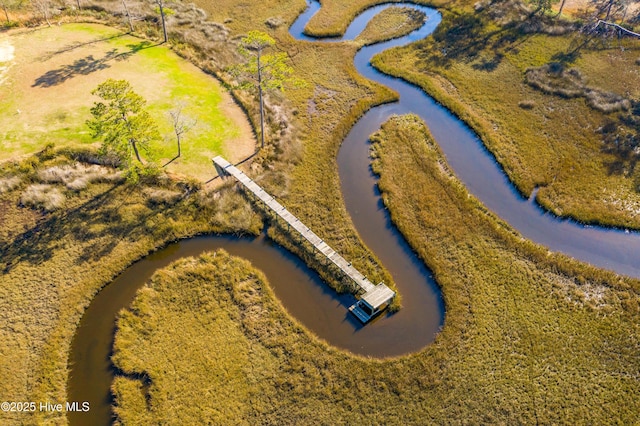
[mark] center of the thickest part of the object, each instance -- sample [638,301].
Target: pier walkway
[382,293]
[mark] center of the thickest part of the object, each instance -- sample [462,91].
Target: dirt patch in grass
[6,58]
[6,51]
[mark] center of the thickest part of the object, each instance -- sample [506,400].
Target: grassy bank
[529,337]
[335,16]
[319,115]
[100,227]
[560,334]
[391,23]
[476,68]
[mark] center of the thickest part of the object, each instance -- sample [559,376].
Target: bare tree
[607,17]
[3,3]
[44,7]
[128,15]
[181,125]
[610,8]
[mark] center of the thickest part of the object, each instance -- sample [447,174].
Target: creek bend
[607,248]
[300,290]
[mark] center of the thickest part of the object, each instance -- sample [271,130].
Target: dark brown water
[298,288]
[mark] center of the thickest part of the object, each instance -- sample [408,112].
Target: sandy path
[6,56]
[6,51]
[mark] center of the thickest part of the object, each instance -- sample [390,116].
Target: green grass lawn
[46,95]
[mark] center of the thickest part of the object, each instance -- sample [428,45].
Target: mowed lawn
[45,95]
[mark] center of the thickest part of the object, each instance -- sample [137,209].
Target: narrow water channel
[300,290]
[297,287]
[612,249]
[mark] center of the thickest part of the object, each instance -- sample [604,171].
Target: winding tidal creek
[300,290]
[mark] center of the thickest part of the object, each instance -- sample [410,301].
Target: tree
[128,15]
[610,8]
[3,3]
[561,7]
[43,6]
[163,13]
[181,125]
[542,6]
[121,121]
[263,71]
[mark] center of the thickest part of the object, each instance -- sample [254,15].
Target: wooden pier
[383,293]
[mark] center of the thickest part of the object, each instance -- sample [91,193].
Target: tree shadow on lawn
[97,225]
[73,46]
[88,65]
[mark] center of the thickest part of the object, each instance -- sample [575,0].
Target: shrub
[29,165]
[91,157]
[606,101]
[77,176]
[554,79]
[9,184]
[9,25]
[274,22]
[161,196]
[526,104]
[42,196]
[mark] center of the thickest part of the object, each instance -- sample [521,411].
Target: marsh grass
[529,336]
[46,256]
[78,176]
[302,170]
[42,196]
[162,196]
[9,183]
[553,145]
[391,23]
[334,16]
[515,275]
